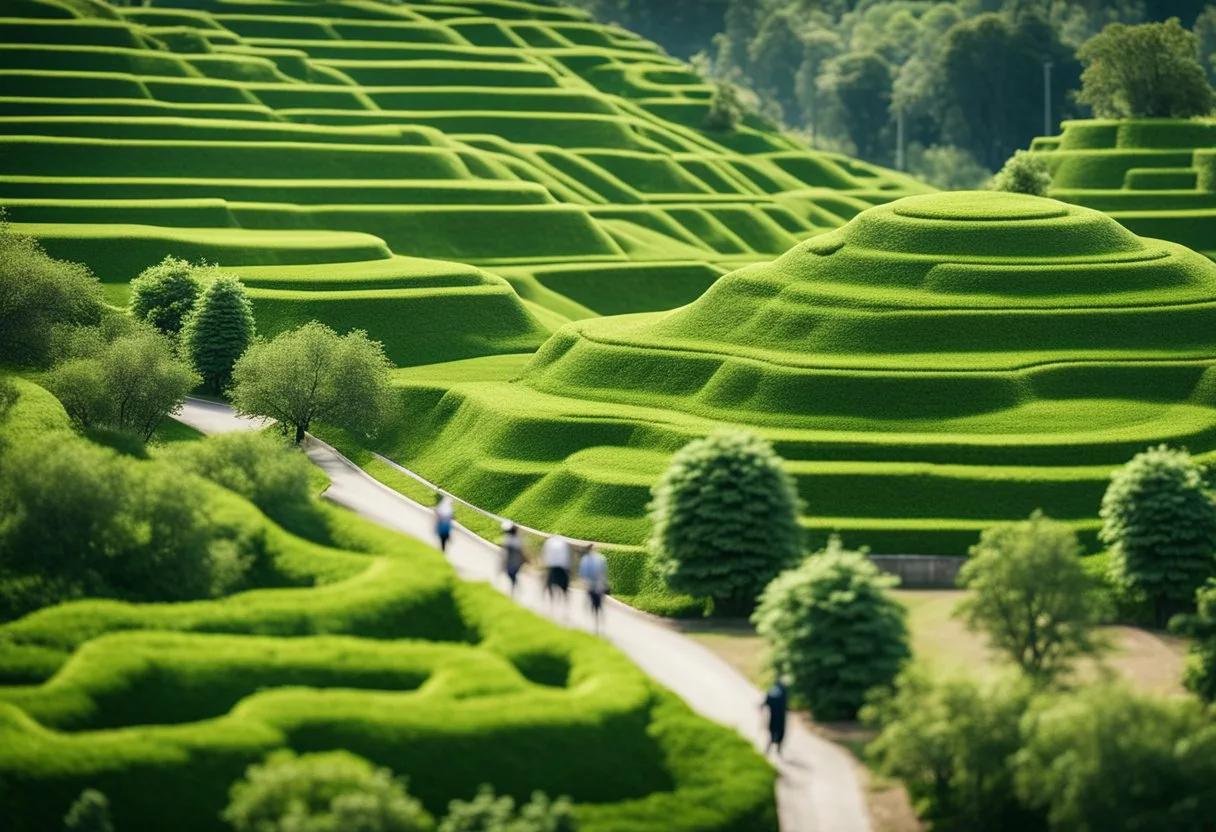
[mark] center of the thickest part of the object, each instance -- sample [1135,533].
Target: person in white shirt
[593,568]
[556,556]
[444,514]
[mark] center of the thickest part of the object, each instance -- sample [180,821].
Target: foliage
[333,791]
[1032,596]
[313,374]
[833,628]
[488,813]
[952,743]
[1160,524]
[1102,759]
[947,167]
[218,330]
[131,385]
[1200,673]
[724,519]
[861,84]
[1024,173]
[38,295]
[725,109]
[1146,71]
[90,813]
[163,295]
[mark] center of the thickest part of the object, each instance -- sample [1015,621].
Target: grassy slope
[370,643]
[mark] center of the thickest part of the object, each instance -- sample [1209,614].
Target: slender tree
[218,330]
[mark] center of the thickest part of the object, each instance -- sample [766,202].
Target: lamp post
[1047,126]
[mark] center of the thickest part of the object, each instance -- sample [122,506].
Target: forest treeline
[968,78]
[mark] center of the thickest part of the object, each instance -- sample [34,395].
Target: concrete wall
[921,571]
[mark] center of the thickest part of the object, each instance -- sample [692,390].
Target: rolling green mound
[939,364]
[520,139]
[1155,176]
[360,639]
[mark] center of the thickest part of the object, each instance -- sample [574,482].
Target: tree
[833,628]
[218,330]
[1024,173]
[952,743]
[861,85]
[163,295]
[312,374]
[1160,524]
[272,475]
[949,168]
[725,109]
[333,791]
[1031,596]
[1101,759]
[1200,673]
[38,295]
[724,519]
[1146,71]
[90,813]
[488,813]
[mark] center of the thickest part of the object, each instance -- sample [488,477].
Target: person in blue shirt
[777,702]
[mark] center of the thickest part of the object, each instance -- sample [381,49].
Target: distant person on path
[556,557]
[593,568]
[512,553]
[777,702]
[444,513]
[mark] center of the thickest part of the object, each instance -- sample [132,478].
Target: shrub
[952,743]
[834,630]
[90,813]
[1024,173]
[326,792]
[313,374]
[1031,595]
[1160,524]
[1146,71]
[262,469]
[218,330]
[163,295]
[1200,673]
[38,295]
[725,519]
[1102,759]
[487,813]
[725,109]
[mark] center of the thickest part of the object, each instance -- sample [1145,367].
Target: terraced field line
[817,790]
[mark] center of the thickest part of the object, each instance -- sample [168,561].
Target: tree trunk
[299,433]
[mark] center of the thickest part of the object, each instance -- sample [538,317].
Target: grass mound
[362,640]
[1155,176]
[939,364]
[510,136]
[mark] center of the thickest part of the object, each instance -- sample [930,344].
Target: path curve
[818,789]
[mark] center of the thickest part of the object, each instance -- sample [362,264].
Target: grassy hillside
[310,146]
[1155,176]
[940,363]
[359,639]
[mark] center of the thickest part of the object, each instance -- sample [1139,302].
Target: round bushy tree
[218,330]
[90,813]
[164,294]
[834,630]
[725,109]
[489,813]
[1024,173]
[1200,674]
[725,519]
[331,791]
[1160,524]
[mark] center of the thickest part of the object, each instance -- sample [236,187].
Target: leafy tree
[488,813]
[725,109]
[90,813]
[1200,674]
[332,791]
[1160,524]
[834,629]
[38,295]
[272,475]
[861,85]
[1102,759]
[1031,595]
[1024,173]
[952,743]
[724,519]
[163,295]
[218,330]
[312,374]
[947,167]
[1146,71]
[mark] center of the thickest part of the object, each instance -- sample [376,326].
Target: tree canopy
[163,295]
[218,330]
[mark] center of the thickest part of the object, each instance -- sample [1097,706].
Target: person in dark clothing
[777,702]
[444,515]
[512,553]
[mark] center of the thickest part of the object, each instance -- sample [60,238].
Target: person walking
[777,702]
[512,553]
[556,556]
[593,568]
[445,512]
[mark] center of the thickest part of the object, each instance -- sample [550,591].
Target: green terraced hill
[311,145]
[940,363]
[1155,176]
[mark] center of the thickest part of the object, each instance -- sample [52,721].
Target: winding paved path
[818,789]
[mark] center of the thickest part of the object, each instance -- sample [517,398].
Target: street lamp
[1047,126]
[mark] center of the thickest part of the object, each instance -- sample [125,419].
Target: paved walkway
[818,789]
